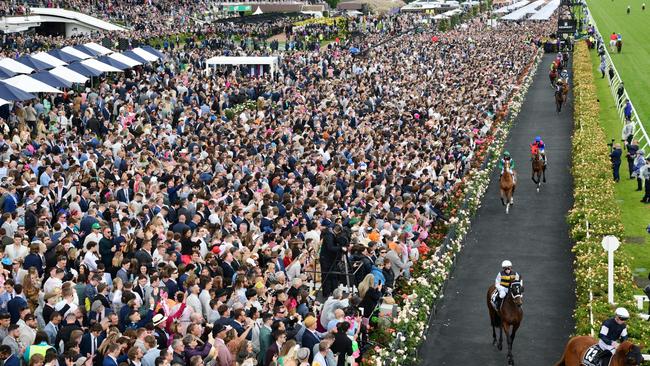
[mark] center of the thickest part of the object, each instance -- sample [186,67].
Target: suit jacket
[85,346]
[108,361]
[12,361]
[122,195]
[51,332]
[309,339]
[270,352]
[265,342]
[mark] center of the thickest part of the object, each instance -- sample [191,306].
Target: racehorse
[507,185]
[627,353]
[561,92]
[508,317]
[539,169]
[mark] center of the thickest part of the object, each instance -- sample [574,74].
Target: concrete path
[534,237]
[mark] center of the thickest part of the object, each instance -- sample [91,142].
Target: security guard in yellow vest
[504,279]
[40,349]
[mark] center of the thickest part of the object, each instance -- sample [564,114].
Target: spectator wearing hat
[310,337]
[224,357]
[162,337]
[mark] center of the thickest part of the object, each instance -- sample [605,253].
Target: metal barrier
[640,133]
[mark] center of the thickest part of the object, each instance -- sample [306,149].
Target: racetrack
[534,236]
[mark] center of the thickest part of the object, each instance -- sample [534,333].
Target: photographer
[334,248]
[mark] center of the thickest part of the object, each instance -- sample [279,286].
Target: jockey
[611,331]
[503,281]
[558,84]
[539,145]
[564,74]
[502,163]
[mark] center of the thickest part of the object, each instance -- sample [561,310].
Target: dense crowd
[173,216]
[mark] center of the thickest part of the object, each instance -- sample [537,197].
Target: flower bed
[595,203]
[400,340]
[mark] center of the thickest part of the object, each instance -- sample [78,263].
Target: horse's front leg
[509,342]
[500,344]
[544,174]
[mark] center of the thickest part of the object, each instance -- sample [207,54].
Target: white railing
[640,133]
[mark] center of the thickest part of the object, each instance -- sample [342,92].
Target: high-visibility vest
[36,349]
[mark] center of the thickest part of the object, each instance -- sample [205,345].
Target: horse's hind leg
[544,174]
[502,196]
[500,344]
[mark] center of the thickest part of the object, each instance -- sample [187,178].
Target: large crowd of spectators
[173,216]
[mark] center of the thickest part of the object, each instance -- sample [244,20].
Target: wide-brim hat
[158,318]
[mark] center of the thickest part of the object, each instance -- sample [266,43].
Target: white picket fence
[640,133]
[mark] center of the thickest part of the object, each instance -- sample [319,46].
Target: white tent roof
[48,59]
[507,9]
[3,102]
[258,11]
[242,60]
[145,55]
[98,48]
[67,74]
[30,85]
[522,12]
[124,59]
[97,65]
[75,52]
[15,66]
[546,12]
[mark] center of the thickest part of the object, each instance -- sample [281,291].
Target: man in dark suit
[239,319]
[16,305]
[113,351]
[279,337]
[8,357]
[125,194]
[90,341]
[309,337]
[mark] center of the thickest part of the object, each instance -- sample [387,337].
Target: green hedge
[595,202]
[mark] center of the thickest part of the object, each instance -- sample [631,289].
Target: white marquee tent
[30,85]
[272,62]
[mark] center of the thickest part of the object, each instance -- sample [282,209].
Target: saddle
[592,357]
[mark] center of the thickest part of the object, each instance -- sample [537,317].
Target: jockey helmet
[622,313]
[506,154]
[538,139]
[506,263]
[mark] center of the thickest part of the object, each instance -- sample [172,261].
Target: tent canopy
[84,70]
[30,85]
[153,51]
[134,56]
[245,60]
[86,50]
[76,53]
[12,93]
[98,48]
[34,63]
[112,62]
[65,73]
[124,59]
[48,59]
[15,66]
[5,74]
[100,66]
[145,55]
[258,11]
[63,56]
[51,80]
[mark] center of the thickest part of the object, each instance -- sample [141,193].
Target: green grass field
[635,214]
[633,62]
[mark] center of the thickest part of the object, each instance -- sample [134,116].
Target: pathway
[534,237]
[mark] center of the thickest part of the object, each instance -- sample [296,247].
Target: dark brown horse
[561,93]
[507,186]
[508,318]
[627,353]
[539,169]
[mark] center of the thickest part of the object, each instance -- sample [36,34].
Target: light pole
[610,243]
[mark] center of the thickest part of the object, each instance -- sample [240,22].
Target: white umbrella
[15,66]
[145,55]
[30,85]
[48,59]
[67,74]
[97,65]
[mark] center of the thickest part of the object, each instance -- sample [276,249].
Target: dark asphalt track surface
[534,236]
